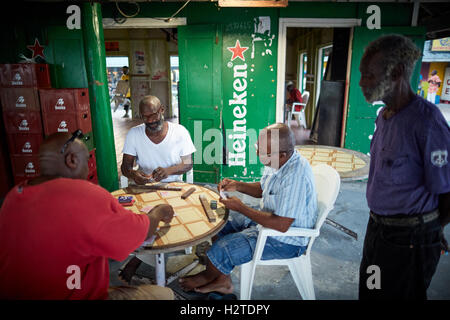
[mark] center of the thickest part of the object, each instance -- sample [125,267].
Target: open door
[200,56]
[361,115]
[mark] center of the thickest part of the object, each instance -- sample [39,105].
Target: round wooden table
[189,226]
[350,164]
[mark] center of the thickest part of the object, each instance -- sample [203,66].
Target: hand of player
[160,174]
[141,178]
[164,211]
[232,203]
[228,185]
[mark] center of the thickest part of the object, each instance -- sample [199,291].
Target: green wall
[65,53]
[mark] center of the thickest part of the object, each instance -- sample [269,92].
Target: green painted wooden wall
[64,51]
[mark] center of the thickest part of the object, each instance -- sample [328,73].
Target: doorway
[114,69]
[151,54]
[174,85]
[305,49]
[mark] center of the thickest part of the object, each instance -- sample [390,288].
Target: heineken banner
[249,92]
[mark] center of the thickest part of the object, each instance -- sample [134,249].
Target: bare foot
[221,284]
[129,270]
[191,282]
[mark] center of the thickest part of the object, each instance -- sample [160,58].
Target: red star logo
[238,51]
[37,49]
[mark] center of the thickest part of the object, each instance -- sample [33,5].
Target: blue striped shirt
[290,192]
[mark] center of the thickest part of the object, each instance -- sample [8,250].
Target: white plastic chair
[300,114]
[327,182]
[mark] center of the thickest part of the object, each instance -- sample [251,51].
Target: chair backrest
[327,183]
[305,97]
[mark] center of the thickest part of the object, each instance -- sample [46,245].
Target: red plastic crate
[92,164]
[92,177]
[66,122]
[22,122]
[25,166]
[24,143]
[20,99]
[25,75]
[64,100]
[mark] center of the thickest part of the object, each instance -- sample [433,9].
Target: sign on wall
[445,95]
[249,92]
[441,44]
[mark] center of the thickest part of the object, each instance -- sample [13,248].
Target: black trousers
[407,258]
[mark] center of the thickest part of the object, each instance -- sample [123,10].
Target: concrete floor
[335,259]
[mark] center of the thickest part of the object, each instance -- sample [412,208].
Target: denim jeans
[407,258]
[237,241]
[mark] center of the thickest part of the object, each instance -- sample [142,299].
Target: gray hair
[396,49]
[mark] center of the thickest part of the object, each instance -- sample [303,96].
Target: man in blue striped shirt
[288,199]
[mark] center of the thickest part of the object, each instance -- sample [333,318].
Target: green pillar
[94,51]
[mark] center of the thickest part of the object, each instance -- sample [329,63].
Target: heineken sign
[249,92]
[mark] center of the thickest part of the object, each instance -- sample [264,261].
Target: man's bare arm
[127,165]
[183,167]
[162,212]
[251,188]
[266,219]
[127,170]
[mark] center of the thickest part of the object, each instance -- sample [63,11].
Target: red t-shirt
[46,228]
[295,95]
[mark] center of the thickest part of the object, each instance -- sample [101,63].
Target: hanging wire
[178,11]
[127,16]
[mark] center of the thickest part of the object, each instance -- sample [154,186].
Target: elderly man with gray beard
[408,190]
[163,151]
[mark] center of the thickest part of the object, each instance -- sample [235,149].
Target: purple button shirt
[409,160]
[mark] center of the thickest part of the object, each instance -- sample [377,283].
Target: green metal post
[94,50]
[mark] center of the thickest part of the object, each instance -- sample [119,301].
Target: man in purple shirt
[408,191]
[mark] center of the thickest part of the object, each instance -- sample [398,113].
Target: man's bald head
[73,163]
[280,135]
[152,112]
[149,103]
[276,145]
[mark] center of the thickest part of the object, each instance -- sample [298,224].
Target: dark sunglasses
[76,135]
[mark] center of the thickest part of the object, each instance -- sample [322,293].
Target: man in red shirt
[57,232]
[294,94]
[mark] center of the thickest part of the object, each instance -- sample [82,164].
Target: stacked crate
[22,115]
[66,110]
[33,110]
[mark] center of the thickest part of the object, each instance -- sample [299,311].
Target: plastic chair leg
[301,272]
[246,280]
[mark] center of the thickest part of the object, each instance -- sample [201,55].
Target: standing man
[126,77]
[163,150]
[57,232]
[433,87]
[408,190]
